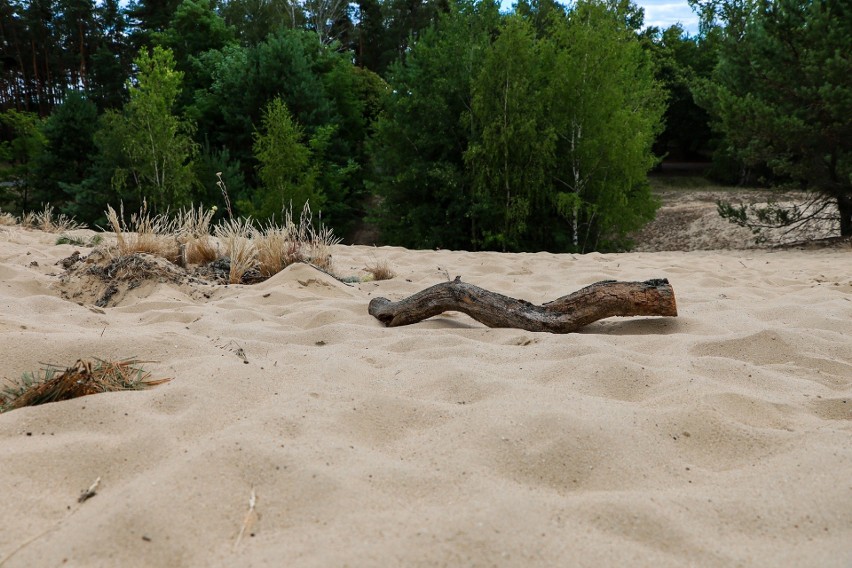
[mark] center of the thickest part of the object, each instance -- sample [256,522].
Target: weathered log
[563,315]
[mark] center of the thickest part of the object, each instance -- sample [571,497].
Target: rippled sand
[721,437]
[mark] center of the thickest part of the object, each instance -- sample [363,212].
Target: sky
[664,13]
[660,13]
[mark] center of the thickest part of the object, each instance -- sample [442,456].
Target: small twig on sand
[248,520]
[84,496]
[90,492]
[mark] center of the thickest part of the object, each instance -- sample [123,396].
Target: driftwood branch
[563,315]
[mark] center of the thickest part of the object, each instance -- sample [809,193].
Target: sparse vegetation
[155,234]
[45,220]
[237,247]
[380,270]
[193,235]
[83,378]
[7,219]
[76,241]
[236,237]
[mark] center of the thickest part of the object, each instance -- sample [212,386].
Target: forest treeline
[445,123]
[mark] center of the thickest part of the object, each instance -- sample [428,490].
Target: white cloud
[665,13]
[660,13]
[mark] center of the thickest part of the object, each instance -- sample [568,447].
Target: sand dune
[718,438]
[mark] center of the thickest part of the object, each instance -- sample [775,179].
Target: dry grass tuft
[82,379]
[254,253]
[236,235]
[275,251]
[28,219]
[380,270]
[280,246]
[193,235]
[46,220]
[7,219]
[156,235]
[320,248]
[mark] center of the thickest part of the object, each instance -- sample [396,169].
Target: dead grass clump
[46,220]
[239,248]
[275,250]
[280,246]
[7,219]
[154,235]
[193,235]
[320,247]
[82,379]
[380,270]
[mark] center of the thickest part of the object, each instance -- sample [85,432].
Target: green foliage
[67,157]
[421,138]
[21,155]
[92,241]
[195,28]
[502,137]
[512,158]
[285,166]
[255,20]
[782,92]
[459,126]
[149,18]
[607,110]
[210,164]
[679,61]
[155,147]
[321,90]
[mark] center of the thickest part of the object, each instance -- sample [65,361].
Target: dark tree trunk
[844,207]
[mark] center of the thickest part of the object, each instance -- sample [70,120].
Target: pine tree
[782,95]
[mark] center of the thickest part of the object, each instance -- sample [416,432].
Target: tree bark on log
[563,315]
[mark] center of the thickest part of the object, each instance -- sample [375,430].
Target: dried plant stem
[248,520]
[224,188]
[90,492]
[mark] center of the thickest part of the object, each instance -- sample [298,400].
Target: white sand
[718,438]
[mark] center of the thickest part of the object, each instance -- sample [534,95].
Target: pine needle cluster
[81,379]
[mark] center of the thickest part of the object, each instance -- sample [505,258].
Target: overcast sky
[664,13]
[660,13]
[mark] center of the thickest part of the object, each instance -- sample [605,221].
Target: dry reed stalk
[320,245]
[85,495]
[224,189]
[318,242]
[239,248]
[280,246]
[248,520]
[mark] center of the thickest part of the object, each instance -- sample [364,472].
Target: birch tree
[155,145]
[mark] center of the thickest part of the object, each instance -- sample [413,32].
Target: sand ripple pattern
[720,438]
